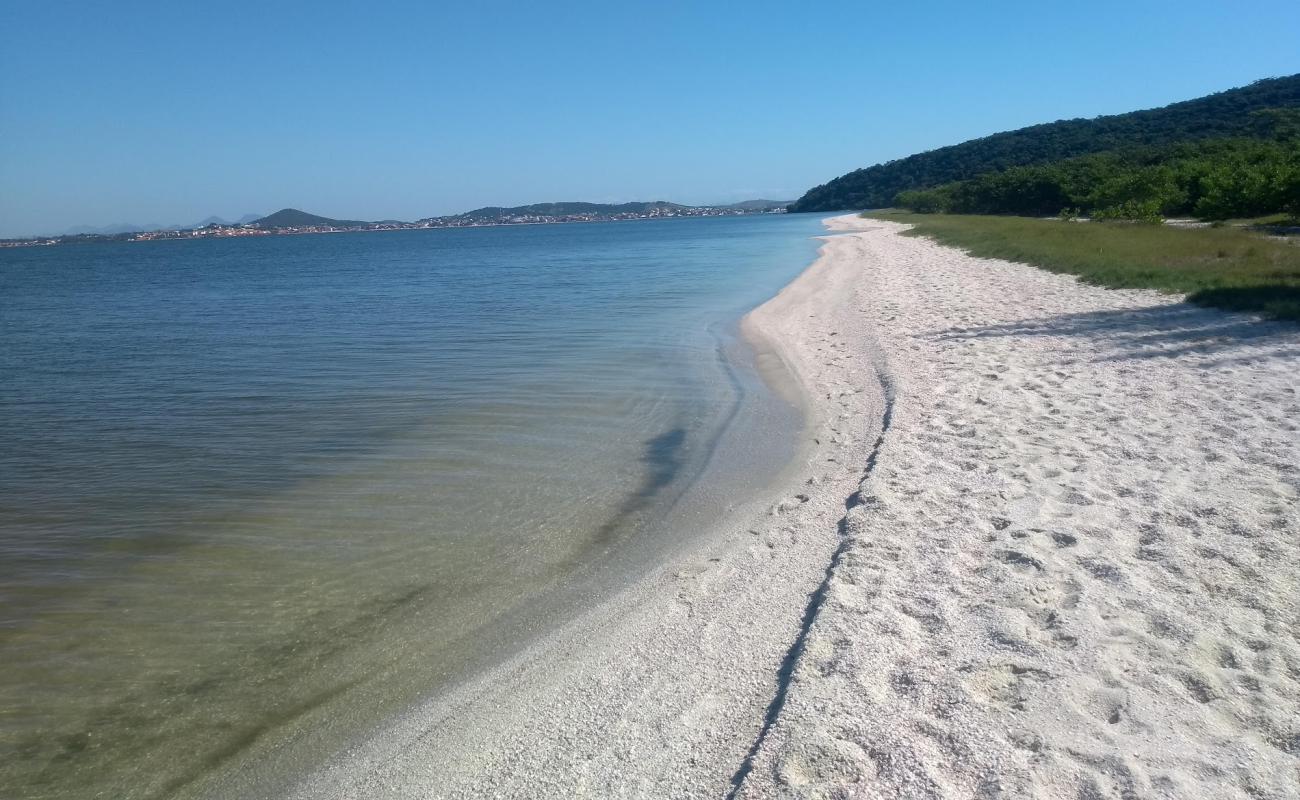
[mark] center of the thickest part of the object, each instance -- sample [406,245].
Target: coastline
[1041,542]
[691,652]
[407,628]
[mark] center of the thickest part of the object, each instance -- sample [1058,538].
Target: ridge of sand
[1067,569]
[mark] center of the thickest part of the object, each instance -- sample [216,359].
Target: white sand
[1068,569]
[1074,572]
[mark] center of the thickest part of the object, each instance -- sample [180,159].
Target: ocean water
[258,494]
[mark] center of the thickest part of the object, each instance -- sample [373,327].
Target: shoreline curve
[693,651]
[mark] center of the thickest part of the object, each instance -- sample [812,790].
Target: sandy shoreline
[1066,569]
[662,690]
[1074,571]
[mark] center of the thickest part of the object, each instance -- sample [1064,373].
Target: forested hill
[1218,115]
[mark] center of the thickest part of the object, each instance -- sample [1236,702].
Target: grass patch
[1269,221]
[1226,267]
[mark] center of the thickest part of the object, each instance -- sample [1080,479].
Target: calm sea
[258,494]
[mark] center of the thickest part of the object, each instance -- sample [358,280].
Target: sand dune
[1043,543]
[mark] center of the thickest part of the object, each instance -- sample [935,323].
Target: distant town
[291,221]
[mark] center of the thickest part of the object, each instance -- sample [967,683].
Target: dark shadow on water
[664,455]
[1160,331]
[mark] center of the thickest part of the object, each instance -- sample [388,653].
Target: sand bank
[1043,542]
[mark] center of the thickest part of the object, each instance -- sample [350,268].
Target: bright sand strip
[1068,568]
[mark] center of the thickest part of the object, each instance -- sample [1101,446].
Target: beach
[1041,541]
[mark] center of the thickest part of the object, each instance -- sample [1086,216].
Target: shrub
[1146,211]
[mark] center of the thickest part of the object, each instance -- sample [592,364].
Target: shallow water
[259,493]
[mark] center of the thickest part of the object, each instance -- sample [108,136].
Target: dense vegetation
[1225,267]
[1214,179]
[1223,115]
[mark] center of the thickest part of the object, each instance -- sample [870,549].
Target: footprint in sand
[1063,539]
[1019,559]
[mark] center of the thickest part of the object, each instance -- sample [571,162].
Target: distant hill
[1223,114]
[293,218]
[126,227]
[220,221]
[565,209]
[608,209]
[107,230]
[287,218]
[759,205]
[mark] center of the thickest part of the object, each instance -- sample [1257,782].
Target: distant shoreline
[508,218]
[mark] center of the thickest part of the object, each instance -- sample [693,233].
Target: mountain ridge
[127,227]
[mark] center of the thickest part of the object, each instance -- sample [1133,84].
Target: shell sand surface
[1043,542]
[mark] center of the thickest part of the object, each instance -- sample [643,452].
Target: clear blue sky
[169,112]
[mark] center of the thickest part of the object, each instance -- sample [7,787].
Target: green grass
[1226,267]
[1269,221]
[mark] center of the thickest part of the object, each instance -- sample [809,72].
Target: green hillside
[1213,179]
[1225,114]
